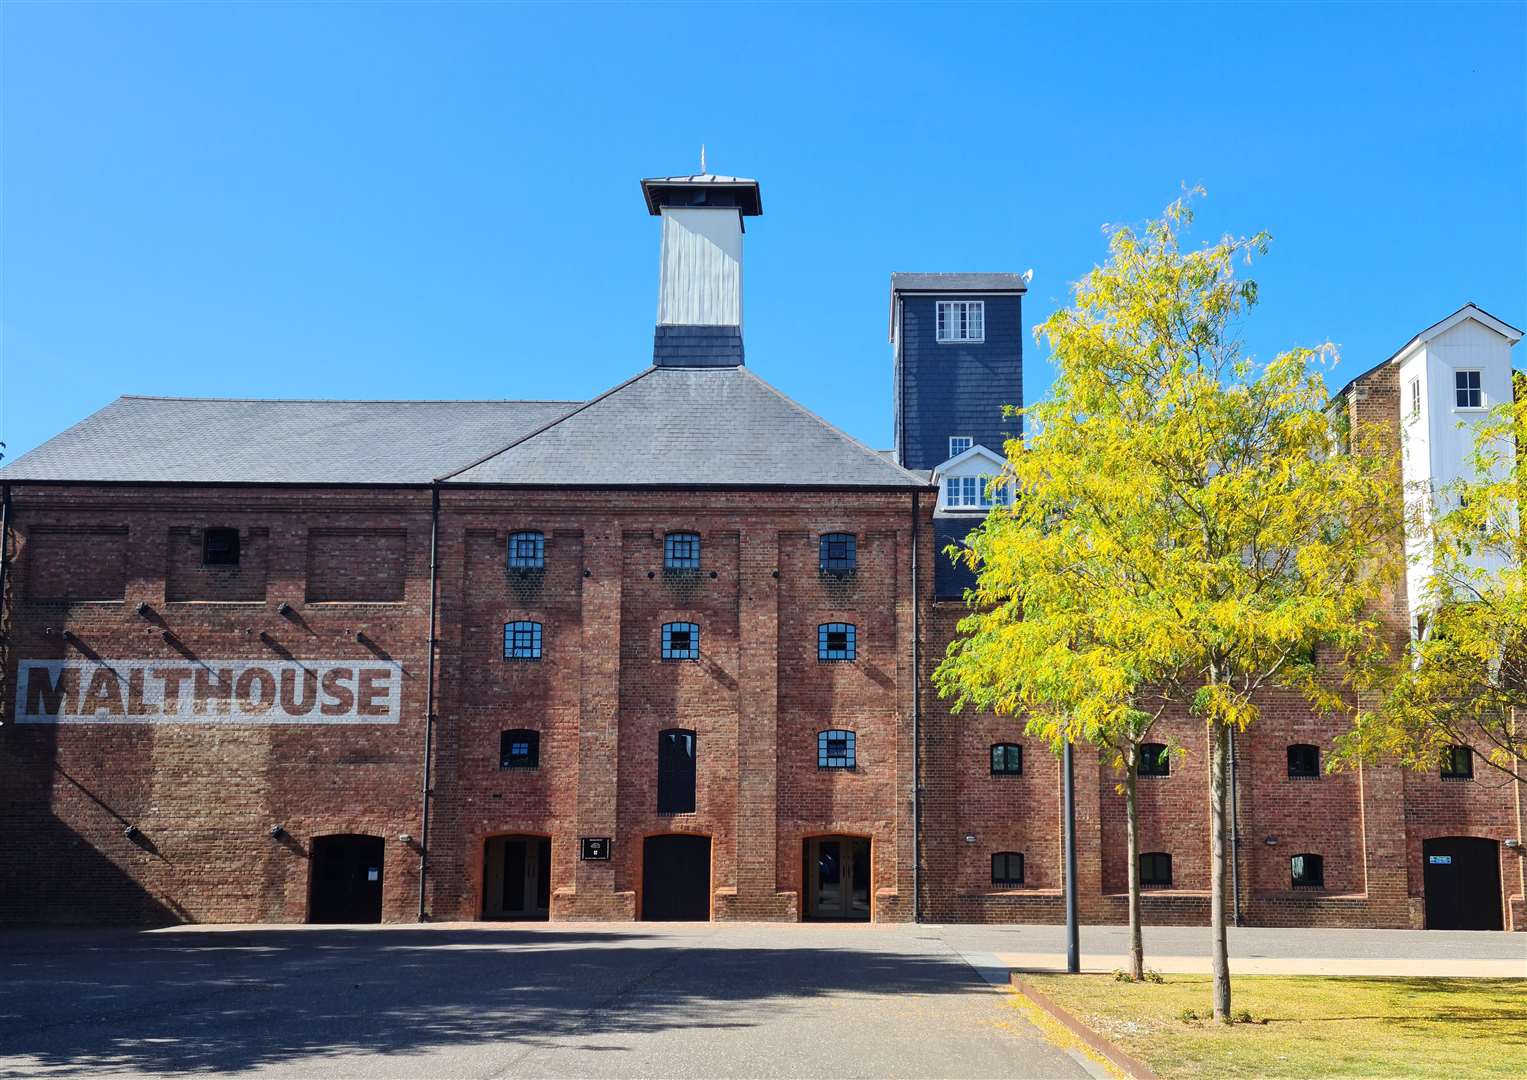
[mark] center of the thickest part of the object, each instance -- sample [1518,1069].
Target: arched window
[681,551]
[522,641]
[1304,761]
[840,554]
[1154,760]
[676,771]
[1457,763]
[1155,868]
[527,551]
[681,641]
[1007,868]
[1006,759]
[836,641]
[837,749]
[1308,871]
[519,748]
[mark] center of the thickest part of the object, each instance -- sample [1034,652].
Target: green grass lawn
[1412,1027]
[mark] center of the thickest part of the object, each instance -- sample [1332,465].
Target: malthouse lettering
[210,692]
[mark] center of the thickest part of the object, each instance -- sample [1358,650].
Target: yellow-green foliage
[1188,524]
[1467,674]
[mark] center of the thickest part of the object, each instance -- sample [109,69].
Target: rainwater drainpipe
[5,548]
[1235,837]
[429,690]
[917,696]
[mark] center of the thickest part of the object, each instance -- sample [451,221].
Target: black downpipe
[429,692]
[917,697]
[5,556]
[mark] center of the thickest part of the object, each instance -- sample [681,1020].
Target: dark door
[346,876]
[1462,877]
[516,877]
[837,876]
[676,878]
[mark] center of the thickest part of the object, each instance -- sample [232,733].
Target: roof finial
[702,159]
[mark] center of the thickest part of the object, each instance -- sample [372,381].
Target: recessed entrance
[516,877]
[837,877]
[1462,880]
[676,878]
[345,879]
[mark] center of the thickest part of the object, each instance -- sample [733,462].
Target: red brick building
[662,654]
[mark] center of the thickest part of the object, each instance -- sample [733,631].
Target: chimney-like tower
[699,298]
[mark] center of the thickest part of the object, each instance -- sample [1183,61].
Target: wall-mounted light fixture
[1513,843]
[970,838]
[131,832]
[404,838]
[278,832]
[1271,841]
[143,609]
[283,609]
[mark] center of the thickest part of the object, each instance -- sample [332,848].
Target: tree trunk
[1132,830]
[1219,742]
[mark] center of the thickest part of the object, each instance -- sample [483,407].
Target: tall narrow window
[961,320]
[1308,871]
[1466,390]
[1154,760]
[1458,763]
[1415,398]
[527,551]
[1006,759]
[522,641]
[220,547]
[519,748]
[681,641]
[840,553]
[1007,868]
[958,444]
[837,750]
[676,771]
[1303,761]
[836,641]
[1155,868]
[681,551]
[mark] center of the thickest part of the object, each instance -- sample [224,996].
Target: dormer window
[974,493]
[1466,390]
[958,444]
[961,320]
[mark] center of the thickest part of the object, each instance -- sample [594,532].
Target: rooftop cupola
[699,296]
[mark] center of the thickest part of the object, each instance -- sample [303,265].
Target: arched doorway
[836,874]
[676,878]
[345,879]
[1461,875]
[516,877]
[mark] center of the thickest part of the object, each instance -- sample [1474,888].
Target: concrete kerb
[1131,1067]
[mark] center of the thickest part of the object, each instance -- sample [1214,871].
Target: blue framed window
[519,748]
[837,750]
[681,641]
[840,554]
[681,551]
[836,641]
[522,641]
[527,551]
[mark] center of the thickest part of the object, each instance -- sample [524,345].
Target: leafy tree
[1187,528]
[1466,682]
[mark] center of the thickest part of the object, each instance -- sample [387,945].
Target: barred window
[1466,390]
[681,641]
[681,551]
[835,641]
[1155,868]
[840,552]
[1154,760]
[961,320]
[1007,868]
[519,748]
[522,641]
[527,551]
[1458,763]
[220,547]
[1006,759]
[836,750]
[1303,761]
[1308,871]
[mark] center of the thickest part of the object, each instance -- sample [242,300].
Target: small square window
[836,750]
[1308,871]
[1006,759]
[1155,868]
[1458,763]
[1304,761]
[958,444]
[519,749]
[527,551]
[840,553]
[1007,868]
[681,641]
[681,551]
[220,547]
[1466,390]
[835,641]
[522,641]
[961,320]
[1155,760]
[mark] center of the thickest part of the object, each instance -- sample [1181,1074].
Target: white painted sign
[227,692]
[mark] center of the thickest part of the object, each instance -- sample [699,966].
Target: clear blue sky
[396,201]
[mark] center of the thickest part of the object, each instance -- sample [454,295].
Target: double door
[837,874]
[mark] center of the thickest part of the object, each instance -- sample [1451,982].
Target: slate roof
[159,439]
[685,427]
[958,283]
